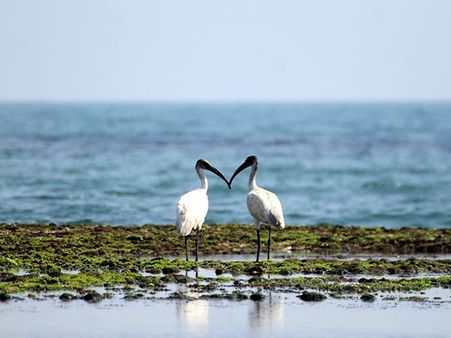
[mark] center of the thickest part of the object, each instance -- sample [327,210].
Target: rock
[236,295]
[135,238]
[240,296]
[182,279]
[255,279]
[417,299]
[237,282]
[4,297]
[255,270]
[218,272]
[8,277]
[367,297]
[393,271]
[133,296]
[108,295]
[65,297]
[215,296]
[256,296]
[211,286]
[307,296]
[92,297]
[167,271]
[180,295]
[170,278]
[389,298]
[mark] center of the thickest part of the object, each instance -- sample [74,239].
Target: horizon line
[225,101]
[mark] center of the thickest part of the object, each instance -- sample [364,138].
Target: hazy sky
[225,50]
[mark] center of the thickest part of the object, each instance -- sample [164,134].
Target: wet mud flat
[86,275]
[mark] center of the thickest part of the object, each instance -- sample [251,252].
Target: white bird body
[192,209]
[265,207]
[262,204]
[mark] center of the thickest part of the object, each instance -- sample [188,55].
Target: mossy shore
[140,257]
[152,240]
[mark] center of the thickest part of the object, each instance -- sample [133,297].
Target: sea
[365,164]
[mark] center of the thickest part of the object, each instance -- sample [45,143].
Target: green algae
[51,248]
[285,267]
[87,246]
[337,285]
[134,257]
[331,266]
[234,296]
[340,286]
[79,281]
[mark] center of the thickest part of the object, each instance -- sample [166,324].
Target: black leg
[258,245]
[269,241]
[197,244]
[186,248]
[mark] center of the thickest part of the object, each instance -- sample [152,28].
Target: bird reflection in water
[193,315]
[267,313]
[194,273]
[183,288]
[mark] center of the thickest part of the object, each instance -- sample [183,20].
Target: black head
[204,164]
[250,161]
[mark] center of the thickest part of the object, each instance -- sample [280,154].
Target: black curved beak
[240,169]
[217,172]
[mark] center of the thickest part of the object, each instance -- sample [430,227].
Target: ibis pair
[263,205]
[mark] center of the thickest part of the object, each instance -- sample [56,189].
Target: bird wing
[265,206]
[275,211]
[192,208]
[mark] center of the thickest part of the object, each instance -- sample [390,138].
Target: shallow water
[345,256]
[364,164]
[277,315]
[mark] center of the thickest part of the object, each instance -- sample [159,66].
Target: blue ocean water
[362,164]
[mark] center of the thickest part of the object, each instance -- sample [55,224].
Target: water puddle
[280,256]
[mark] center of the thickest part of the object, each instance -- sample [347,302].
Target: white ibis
[192,207]
[263,205]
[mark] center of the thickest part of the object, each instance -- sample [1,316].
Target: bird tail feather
[276,220]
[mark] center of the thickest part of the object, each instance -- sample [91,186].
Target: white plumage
[262,204]
[265,207]
[192,207]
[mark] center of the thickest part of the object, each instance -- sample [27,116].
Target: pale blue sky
[225,50]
